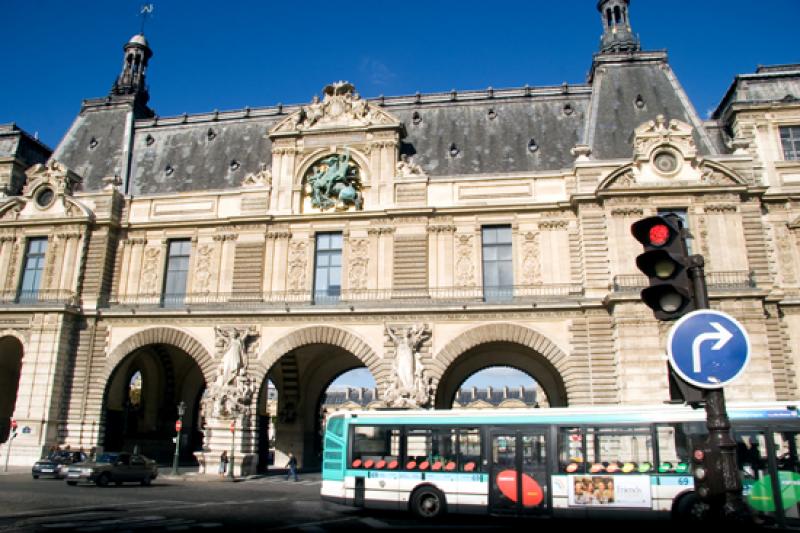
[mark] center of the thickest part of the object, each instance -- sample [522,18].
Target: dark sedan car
[56,464]
[115,468]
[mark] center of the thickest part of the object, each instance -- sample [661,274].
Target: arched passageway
[501,354]
[293,411]
[10,366]
[500,386]
[142,398]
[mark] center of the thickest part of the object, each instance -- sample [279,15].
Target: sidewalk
[191,474]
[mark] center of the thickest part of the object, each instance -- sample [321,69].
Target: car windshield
[59,456]
[107,458]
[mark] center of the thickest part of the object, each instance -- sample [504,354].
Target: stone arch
[162,335]
[334,336]
[12,353]
[550,359]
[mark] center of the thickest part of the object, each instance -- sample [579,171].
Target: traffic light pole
[717,421]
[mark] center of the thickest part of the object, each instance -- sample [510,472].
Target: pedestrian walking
[223,463]
[292,466]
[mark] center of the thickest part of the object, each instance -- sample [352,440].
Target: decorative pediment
[47,194]
[703,173]
[340,108]
[57,175]
[665,156]
[660,133]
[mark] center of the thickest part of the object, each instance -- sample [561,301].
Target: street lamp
[178,427]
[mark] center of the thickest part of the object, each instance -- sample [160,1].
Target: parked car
[116,468]
[56,464]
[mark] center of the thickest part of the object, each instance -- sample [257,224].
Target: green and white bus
[571,461]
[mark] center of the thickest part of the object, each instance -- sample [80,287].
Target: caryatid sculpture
[409,385]
[232,391]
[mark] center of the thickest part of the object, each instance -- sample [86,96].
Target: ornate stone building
[423,237]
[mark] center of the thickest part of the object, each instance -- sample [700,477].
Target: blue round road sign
[709,349]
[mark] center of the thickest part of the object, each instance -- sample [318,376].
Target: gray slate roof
[463,134]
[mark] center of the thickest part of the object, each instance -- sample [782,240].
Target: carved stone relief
[531,266]
[784,240]
[204,273]
[297,265]
[232,392]
[358,263]
[262,178]
[465,269]
[150,270]
[409,385]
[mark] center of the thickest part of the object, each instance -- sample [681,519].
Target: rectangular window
[32,270]
[570,451]
[619,450]
[431,449]
[328,268]
[376,447]
[790,140]
[177,273]
[469,450]
[498,268]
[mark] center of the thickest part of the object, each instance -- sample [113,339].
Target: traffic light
[706,468]
[665,262]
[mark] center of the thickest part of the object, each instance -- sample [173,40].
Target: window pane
[619,451]
[177,272]
[469,457]
[790,139]
[503,235]
[328,271]
[33,268]
[375,447]
[570,451]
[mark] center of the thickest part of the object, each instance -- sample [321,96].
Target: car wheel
[72,483]
[103,480]
[146,481]
[428,503]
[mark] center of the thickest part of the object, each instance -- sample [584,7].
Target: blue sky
[497,377]
[228,55]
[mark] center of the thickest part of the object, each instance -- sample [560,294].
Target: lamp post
[178,427]
[233,446]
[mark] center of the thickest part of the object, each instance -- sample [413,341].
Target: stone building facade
[423,237]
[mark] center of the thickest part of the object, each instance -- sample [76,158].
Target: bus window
[469,457]
[619,450]
[673,450]
[570,451]
[375,447]
[431,450]
[788,462]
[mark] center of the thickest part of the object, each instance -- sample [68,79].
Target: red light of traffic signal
[659,235]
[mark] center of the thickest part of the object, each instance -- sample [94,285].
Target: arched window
[617,15]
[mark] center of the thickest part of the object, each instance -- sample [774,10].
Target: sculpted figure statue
[408,361]
[335,182]
[235,358]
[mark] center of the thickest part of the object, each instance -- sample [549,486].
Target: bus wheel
[690,508]
[428,502]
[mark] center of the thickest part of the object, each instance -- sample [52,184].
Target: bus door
[518,472]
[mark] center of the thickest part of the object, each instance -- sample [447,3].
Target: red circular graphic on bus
[532,493]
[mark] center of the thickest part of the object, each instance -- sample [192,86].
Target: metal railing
[281,299]
[40,297]
[721,280]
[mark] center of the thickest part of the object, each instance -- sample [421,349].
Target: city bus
[583,462]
